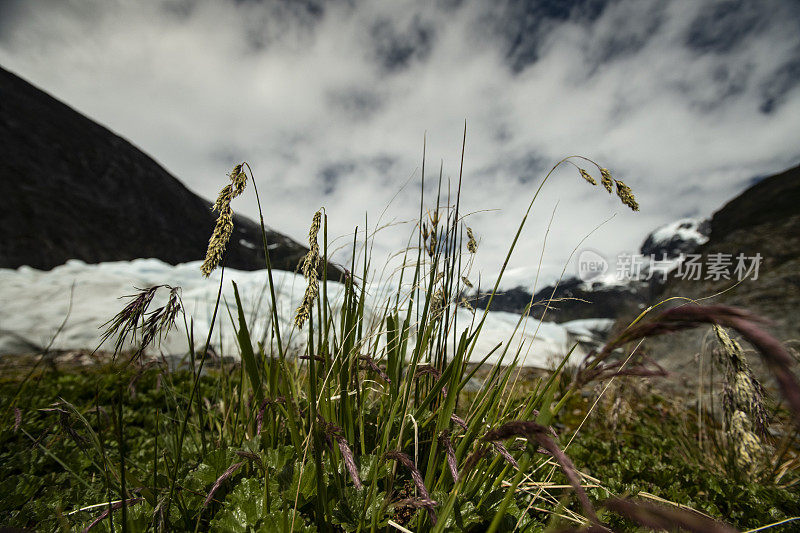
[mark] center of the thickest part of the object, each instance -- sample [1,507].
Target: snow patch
[686,229]
[34,303]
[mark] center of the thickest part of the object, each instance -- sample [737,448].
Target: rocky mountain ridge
[762,222]
[72,189]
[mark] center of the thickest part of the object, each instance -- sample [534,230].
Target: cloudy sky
[687,101]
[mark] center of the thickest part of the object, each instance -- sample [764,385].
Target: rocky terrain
[576,299]
[764,220]
[72,189]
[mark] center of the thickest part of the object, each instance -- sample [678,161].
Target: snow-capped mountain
[680,237]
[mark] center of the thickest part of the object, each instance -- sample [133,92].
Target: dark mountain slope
[73,189]
[765,220]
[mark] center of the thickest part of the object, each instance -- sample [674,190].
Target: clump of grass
[371,429]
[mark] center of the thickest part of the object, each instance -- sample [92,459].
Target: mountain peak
[75,190]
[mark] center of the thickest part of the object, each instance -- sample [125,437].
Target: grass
[372,429]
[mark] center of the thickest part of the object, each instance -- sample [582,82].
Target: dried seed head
[585,175]
[238,180]
[349,462]
[626,195]
[742,391]
[310,264]
[749,451]
[444,442]
[225,475]
[606,179]
[472,244]
[437,302]
[135,319]
[459,421]
[130,502]
[466,281]
[224,226]
[432,243]
[405,460]
[254,457]
[372,365]
[505,454]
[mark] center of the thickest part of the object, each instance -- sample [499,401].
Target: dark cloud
[525,168]
[722,26]
[357,103]
[329,102]
[331,174]
[396,47]
[334,174]
[524,24]
[11,12]
[631,29]
[777,86]
[272,21]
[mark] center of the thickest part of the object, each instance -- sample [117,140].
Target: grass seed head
[606,180]
[224,226]
[588,177]
[626,195]
[748,448]
[310,265]
[472,244]
[225,475]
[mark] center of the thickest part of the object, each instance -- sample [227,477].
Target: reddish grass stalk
[538,433]
[444,442]
[225,475]
[665,518]
[375,368]
[745,323]
[405,460]
[114,506]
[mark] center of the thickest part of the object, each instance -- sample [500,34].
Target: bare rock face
[764,220]
[572,299]
[72,189]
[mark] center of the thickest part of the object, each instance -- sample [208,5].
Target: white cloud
[674,110]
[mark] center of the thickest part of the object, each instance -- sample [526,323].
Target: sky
[686,101]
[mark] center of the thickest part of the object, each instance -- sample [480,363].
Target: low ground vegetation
[373,427]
